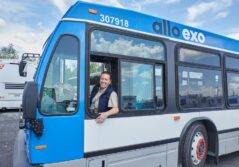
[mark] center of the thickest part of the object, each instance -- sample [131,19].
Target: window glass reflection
[232,63]
[136,86]
[194,56]
[233,88]
[159,86]
[60,88]
[199,88]
[124,45]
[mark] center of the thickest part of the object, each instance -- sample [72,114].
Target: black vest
[104,98]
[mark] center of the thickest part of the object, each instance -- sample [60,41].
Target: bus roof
[150,25]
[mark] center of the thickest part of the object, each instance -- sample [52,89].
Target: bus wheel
[195,146]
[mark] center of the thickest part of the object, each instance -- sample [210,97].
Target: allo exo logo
[164,27]
[193,36]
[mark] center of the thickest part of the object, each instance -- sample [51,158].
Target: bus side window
[60,94]
[137,86]
[200,84]
[232,72]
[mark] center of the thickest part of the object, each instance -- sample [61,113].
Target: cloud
[15,10]
[218,8]
[2,22]
[214,6]
[19,25]
[132,4]
[196,10]
[159,1]
[62,5]
[194,23]
[115,3]
[222,15]
[137,5]
[25,39]
[10,7]
[234,36]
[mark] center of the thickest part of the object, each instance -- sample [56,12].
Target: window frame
[198,50]
[230,56]
[230,70]
[46,71]
[120,58]
[199,66]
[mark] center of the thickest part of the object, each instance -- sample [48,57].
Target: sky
[28,23]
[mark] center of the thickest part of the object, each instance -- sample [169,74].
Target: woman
[103,99]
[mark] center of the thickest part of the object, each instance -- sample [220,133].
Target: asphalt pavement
[9,128]
[8,132]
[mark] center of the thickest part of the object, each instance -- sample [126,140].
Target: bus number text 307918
[114,20]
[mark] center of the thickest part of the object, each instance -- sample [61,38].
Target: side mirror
[29,100]
[22,66]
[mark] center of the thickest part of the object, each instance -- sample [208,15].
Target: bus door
[60,79]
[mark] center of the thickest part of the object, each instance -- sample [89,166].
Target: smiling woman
[103,99]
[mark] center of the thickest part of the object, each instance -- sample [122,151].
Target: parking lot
[8,131]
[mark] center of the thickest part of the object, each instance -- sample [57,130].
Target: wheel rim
[198,149]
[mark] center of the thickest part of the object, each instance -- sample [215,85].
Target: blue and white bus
[178,90]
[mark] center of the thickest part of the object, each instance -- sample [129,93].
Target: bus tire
[195,146]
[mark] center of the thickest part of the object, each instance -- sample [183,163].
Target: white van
[11,83]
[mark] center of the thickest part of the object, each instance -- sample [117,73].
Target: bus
[11,83]
[178,91]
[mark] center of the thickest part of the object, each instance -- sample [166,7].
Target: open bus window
[98,64]
[59,94]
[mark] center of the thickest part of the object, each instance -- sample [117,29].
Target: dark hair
[108,73]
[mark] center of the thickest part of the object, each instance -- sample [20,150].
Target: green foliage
[8,52]
[94,67]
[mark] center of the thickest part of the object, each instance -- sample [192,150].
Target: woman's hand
[102,117]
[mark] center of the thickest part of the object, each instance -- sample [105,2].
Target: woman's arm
[102,117]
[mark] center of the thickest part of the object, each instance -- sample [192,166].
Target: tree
[8,52]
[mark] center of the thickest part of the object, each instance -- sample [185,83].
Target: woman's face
[105,81]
